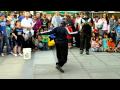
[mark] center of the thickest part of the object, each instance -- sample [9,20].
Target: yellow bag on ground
[51,43]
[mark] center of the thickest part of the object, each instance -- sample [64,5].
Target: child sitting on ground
[96,45]
[104,43]
[38,43]
[111,45]
[45,39]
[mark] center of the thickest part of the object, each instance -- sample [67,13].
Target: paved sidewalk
[101,65]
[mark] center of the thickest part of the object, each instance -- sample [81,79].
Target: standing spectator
[45,23]
[4,36]
[21,16]
[96,31]
[27,25]
[37,25]
[78,27]
[12,19]
[113,23]
[56,19]
[9,34]
[104,25]
[86,33]
[117,29]
[19,39]
[78,21]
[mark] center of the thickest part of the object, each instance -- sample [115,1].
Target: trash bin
[27,53]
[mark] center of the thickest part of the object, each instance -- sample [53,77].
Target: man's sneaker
[20,54]
[2,54]
[87,52]
[81,51]
[15,55]
[59,68]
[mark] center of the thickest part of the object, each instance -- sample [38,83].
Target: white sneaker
[2,54]
[20,54]
[15,55]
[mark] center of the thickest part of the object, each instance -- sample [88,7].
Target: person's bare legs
[20,50]
[15,50]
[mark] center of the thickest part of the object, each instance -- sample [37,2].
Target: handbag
[51,43]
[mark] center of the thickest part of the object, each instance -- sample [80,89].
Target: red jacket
[70,30]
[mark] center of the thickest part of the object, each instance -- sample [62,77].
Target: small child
[45,39]
[96,45]
[38,42]
[19,39]
[117,49]
[104,42]
[70,37]
[93,43]
[111,45]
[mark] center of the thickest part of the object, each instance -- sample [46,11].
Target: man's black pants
[77,39]
[62,52]
[85,41]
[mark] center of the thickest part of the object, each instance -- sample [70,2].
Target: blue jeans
[4,40]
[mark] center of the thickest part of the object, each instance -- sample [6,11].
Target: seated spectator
[96,45]
[111,45]
[104,42]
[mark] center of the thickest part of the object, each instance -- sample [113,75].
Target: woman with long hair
[104,25]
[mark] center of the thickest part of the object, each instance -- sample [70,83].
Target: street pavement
[99,65]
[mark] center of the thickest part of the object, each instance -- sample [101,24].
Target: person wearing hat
[61,43]
[86,33]
[3,34]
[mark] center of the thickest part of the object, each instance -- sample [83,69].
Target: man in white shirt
[78,20]
[27,24]
[56,19]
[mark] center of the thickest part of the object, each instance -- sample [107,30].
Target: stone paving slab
[101,65]
[107,75]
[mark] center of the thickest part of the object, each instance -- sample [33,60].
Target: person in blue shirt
[117,30]
[21,17]
[4,38]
